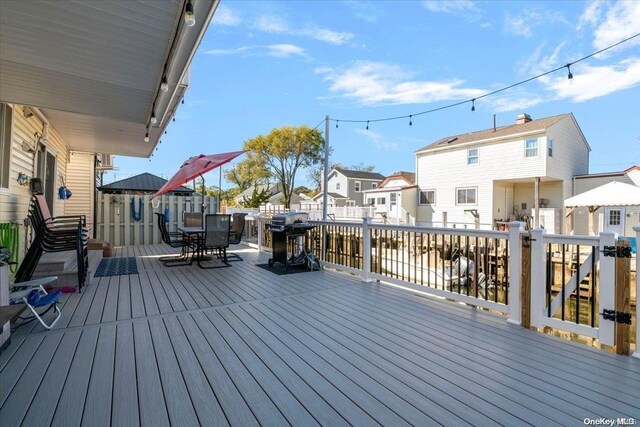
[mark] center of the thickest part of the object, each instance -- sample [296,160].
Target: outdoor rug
[117,267]
[280,271]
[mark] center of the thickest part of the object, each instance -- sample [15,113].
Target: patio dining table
[196,234]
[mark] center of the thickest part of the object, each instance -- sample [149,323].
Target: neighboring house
[500,174]
[145,183]
[619,219]
[69,100]
[346,187]
[395,198]
[270,188]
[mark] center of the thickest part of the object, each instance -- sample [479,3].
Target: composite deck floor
[242,346]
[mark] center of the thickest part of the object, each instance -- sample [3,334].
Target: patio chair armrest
[22,289]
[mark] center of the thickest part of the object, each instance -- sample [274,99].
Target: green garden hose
[10,238]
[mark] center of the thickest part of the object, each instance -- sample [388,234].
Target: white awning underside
[612,194]
[94,67]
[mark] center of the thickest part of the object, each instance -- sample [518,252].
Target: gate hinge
[617,251]
[616,316]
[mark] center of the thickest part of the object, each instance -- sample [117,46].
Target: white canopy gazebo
[611,194]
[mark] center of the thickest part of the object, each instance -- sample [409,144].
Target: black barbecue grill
[287,231]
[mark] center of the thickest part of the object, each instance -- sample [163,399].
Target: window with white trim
[472,156]
[357,186]
[382,201]
[371,201]
[531,148]
[6,122]
[466,196]
[428,197]
[337,185]
[374,184]
[550,147]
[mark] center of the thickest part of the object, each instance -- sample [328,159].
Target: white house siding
[334,180]
[14,204]
[80,180]
[447,170]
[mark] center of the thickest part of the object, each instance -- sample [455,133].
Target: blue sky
[263,65]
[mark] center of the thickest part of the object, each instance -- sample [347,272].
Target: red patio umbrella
[196,166]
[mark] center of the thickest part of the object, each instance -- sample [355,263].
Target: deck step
[52,262]
[68,276]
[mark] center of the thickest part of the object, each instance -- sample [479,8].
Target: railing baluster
[564,266]
[578,282]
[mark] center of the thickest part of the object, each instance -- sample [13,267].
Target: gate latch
[616,316]
[617,251]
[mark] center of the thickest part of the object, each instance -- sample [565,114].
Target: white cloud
[621,21]
[517,25]
[524,23]
[538,62]
[277,25]
[276,50]
[372,83]
[379,141]
[591,14]
[226,16]
[595,81]
[284,50]
[236,51]
[518,101]
[451,6]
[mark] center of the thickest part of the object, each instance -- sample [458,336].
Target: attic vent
[448,141]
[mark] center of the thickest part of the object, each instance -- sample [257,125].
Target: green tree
[257,198]
[249,172]
[284,151]
[301,189]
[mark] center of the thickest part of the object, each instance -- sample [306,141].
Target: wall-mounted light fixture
[27,112]
[189,17]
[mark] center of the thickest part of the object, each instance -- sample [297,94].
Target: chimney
[523,118]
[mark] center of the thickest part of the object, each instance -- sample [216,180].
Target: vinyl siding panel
[80,180]
[14,204]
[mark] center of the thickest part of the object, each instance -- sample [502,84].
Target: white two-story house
[485,178]
[394,199]
[346,187]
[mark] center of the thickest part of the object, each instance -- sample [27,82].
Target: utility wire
[455,104]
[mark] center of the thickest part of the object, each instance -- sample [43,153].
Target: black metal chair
[54,234]
[215,239]
[175,240]
[235,235]
[192,219]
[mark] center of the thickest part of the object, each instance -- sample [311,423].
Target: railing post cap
[366,219]
[516,224]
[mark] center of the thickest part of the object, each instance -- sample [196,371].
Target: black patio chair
[175,240]
[235,235]
[192,219]
[215,239]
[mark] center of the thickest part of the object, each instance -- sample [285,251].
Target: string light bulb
[154,120]
[570,75]
[473,104]
[189,18]
[410,120]
[367,124]
[337,121]
[164,85]
[146,137]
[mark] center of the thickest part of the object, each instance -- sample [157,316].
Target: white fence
[124,224]
[571,282]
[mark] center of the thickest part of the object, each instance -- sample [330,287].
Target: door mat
[280,271]
[116,267]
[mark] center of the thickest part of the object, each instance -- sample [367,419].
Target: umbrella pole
[202,206]
[219,189]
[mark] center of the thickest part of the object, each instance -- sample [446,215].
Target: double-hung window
[466,196]
[428,197]
[382,201]
[357,186]
[531,148]
[337,185]
[472,156]
[550,147]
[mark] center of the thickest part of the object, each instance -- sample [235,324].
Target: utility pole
[325,172]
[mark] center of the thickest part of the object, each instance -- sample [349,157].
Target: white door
[614,220]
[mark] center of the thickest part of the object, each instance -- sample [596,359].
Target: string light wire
[472,101]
